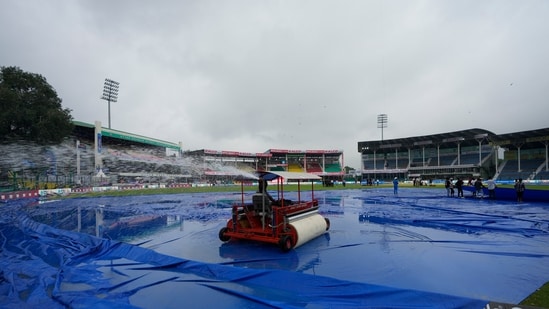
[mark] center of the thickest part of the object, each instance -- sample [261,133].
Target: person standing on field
[520,188]
[491,185]
[478,187]
[459,186]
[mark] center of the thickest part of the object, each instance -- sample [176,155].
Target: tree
[349,170]
[30,108]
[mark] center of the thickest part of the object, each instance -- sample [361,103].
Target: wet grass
[237,188]
[207,189]
[540,297]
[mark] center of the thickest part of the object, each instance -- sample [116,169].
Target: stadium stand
[333,168]
[295,167]
[131,158]
[542,175]
[527,170]
[314,167]
[467,153]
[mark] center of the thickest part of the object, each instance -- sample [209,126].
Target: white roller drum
[308,227]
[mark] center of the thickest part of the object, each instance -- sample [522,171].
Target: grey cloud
[252,75]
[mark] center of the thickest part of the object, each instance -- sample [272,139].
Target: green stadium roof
[129,136]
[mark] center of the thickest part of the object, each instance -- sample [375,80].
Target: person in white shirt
[491,185]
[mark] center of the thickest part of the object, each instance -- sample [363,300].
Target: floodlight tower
[382,123]
[110,94]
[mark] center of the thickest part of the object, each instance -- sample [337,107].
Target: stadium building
[467,154]
[126,155]
[94,155]
[225,165]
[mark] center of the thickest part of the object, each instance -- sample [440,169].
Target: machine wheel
[222,235]
[285,243]
[327,223]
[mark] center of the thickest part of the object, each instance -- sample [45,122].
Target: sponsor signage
[99,142]
[538,139]
[230,153]
[391,146]
[236,153]
[297,151]
[423,143]
[324,151]
[214,152]
[453,139]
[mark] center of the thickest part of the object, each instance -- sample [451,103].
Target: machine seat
[257,201]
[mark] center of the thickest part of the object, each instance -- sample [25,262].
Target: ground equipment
[279,221]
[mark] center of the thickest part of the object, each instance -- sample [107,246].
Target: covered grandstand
[94,155]
[526,155]
[224,165]
[320,162]
[130,158]
[466,154]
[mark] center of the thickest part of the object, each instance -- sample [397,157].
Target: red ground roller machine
[279,221]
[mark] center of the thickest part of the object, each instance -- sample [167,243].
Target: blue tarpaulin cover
[419,249]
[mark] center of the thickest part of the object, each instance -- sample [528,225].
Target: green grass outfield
[539,298]
[237,188]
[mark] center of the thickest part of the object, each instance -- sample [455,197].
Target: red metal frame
[268,226]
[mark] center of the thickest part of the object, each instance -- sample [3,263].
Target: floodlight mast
[382,123]
[110,94]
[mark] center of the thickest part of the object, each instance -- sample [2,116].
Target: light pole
[382,123]
[110,94]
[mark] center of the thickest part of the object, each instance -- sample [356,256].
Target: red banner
[18,195]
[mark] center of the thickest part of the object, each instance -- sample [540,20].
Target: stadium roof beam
[87,129]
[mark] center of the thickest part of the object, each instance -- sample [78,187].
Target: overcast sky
[252,75]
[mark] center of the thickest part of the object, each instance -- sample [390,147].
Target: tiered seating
[446,160]
[543,175]
[294,167]
[144,160]
[531,165]
[418,162]
[333,168]
[368,164]
[247,167]
[509,171]
[314,167]
[403,163]
[391,164]
[468,158]
[527,167]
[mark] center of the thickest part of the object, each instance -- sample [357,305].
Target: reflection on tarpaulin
[102,222]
